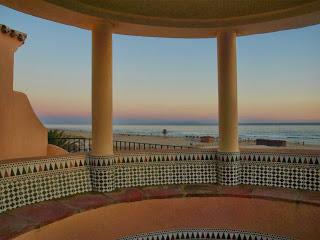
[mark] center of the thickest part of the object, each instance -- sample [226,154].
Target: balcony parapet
[31,181]
[28,218]
[24,182]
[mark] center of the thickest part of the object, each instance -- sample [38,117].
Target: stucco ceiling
[181,9]
[177,18]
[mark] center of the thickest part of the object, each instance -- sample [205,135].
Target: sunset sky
[159,80]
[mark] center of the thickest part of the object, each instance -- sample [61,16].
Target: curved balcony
[165,191]
[154,194]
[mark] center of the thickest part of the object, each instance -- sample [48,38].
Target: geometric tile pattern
[163,173]
[286,158]
[147,169]
[50,164]
[174,156]
[210,234]
[34,181]
[281,170]
[102,173]
[27,182]
[229,168]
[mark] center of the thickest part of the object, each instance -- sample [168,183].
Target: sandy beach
[195,142]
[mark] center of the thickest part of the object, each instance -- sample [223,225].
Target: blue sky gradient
[167,80]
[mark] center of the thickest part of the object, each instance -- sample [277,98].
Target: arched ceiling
[177,18]
[182,11]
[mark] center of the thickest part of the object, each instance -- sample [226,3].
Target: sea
[295,133]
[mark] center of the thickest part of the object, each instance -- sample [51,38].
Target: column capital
[103,27]
[233,32]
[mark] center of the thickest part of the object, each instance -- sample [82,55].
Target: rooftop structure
[33,172]
[176,18]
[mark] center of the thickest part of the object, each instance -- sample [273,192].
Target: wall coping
[26,159]
[20,36]
[289,152]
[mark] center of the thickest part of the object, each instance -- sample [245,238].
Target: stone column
[228,155]
[227,79]
[102,143]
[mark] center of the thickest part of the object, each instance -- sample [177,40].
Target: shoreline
[195,142]
[307,135]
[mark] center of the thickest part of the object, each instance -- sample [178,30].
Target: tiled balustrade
[24,182]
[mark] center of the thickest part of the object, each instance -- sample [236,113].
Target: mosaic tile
[32,181]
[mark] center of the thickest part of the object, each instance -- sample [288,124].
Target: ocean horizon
[307,133]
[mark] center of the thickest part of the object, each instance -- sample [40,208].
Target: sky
[162,80]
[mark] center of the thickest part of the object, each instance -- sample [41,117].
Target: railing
[84,145]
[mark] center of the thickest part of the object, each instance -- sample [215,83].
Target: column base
[229,168]
[102,171]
